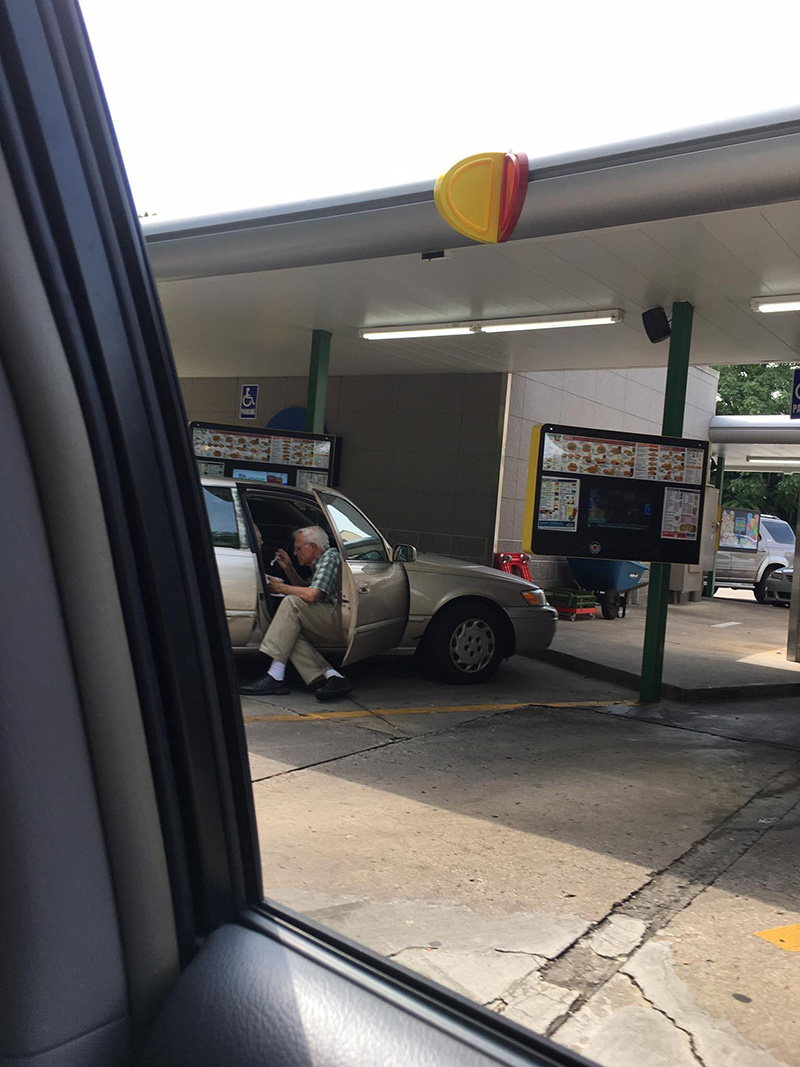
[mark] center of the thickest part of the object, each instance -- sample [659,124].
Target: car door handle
[364,588]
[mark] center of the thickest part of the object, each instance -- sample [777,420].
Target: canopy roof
[709,215]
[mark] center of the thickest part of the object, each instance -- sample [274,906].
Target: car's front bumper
[778,591]
[534,628]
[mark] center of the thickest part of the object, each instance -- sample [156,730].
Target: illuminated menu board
[596,493]
[301,459]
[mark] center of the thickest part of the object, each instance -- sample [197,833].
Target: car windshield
[779,531]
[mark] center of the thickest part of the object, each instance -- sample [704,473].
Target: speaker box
[656,325]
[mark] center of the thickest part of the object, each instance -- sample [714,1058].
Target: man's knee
[290,605]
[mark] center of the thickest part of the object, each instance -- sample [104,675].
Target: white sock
[333,674]
[277,671]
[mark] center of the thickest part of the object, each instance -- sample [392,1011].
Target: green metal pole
[672,426]
[719,478]
[318,381]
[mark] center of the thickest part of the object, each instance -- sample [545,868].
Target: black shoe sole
[334,694]
[279,691]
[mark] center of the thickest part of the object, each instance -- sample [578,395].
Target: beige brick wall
[420,455]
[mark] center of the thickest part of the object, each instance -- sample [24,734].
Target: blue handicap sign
[249,402]
[795,408]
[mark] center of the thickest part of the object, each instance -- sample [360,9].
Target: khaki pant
[285,639]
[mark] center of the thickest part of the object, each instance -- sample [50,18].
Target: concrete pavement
[728,647]
[598,873]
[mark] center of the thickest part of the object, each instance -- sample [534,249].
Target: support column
[793,641]
[672,426]
[719,478]
[318,381]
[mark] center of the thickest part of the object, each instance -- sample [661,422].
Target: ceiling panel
[261,323]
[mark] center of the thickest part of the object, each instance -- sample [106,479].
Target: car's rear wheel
[760,589]
[465,643]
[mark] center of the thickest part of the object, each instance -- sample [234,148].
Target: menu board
[289,451]
[558,504]
[211,470]
[305,479]
[680,519]
[596,494]
[739,529]
[622,458]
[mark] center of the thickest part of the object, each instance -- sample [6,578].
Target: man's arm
[285,563]
[310,594]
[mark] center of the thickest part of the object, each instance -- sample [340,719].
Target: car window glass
[221,516]
[360,539]
[779,531]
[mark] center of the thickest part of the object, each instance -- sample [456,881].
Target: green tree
[758,389]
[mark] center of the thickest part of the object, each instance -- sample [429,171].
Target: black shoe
[264,686]
[333,687]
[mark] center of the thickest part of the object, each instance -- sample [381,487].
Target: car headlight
[534,597]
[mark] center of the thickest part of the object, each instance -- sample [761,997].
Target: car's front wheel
[465,643]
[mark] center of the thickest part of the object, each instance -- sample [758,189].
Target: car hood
[430,562]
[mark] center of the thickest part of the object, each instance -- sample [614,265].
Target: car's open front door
[374,589]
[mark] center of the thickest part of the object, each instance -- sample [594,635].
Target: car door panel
[239,579]
[215,1014]
[375,593]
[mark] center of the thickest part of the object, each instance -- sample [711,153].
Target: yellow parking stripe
[785,937]
[363,713]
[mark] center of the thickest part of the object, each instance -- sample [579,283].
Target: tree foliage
[758,389]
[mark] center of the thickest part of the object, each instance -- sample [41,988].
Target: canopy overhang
[709,215]
[756,442]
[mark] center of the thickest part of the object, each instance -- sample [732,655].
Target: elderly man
[308,608]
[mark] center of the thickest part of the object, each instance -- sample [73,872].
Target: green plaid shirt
[326,573]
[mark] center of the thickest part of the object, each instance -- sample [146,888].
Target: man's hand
[283,560]
[310,594]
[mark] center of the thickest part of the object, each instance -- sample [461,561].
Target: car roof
[246,483]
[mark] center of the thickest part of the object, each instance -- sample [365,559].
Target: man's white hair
[316,535]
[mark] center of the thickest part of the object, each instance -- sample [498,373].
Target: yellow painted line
[362,713]
[785,937]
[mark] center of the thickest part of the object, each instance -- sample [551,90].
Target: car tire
[760,588]
[465,643]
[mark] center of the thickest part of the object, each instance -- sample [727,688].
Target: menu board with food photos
[291,457]
[597,493]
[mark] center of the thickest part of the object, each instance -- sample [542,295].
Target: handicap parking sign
[249,402]
[795,409]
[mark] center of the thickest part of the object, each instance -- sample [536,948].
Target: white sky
[238,104]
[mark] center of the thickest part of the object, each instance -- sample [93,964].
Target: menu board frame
[628,495]
[293,453]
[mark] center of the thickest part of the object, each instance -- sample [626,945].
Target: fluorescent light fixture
[461,329]
[767,305]
[554,322]
[772,461]
[410,332]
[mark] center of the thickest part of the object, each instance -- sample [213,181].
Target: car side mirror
[404,554]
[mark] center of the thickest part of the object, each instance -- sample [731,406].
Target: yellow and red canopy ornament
[482,196]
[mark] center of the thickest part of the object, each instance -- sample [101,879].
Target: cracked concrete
[618,1026]
[716,1043]
[482,975]
[588,875]
[617,936]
